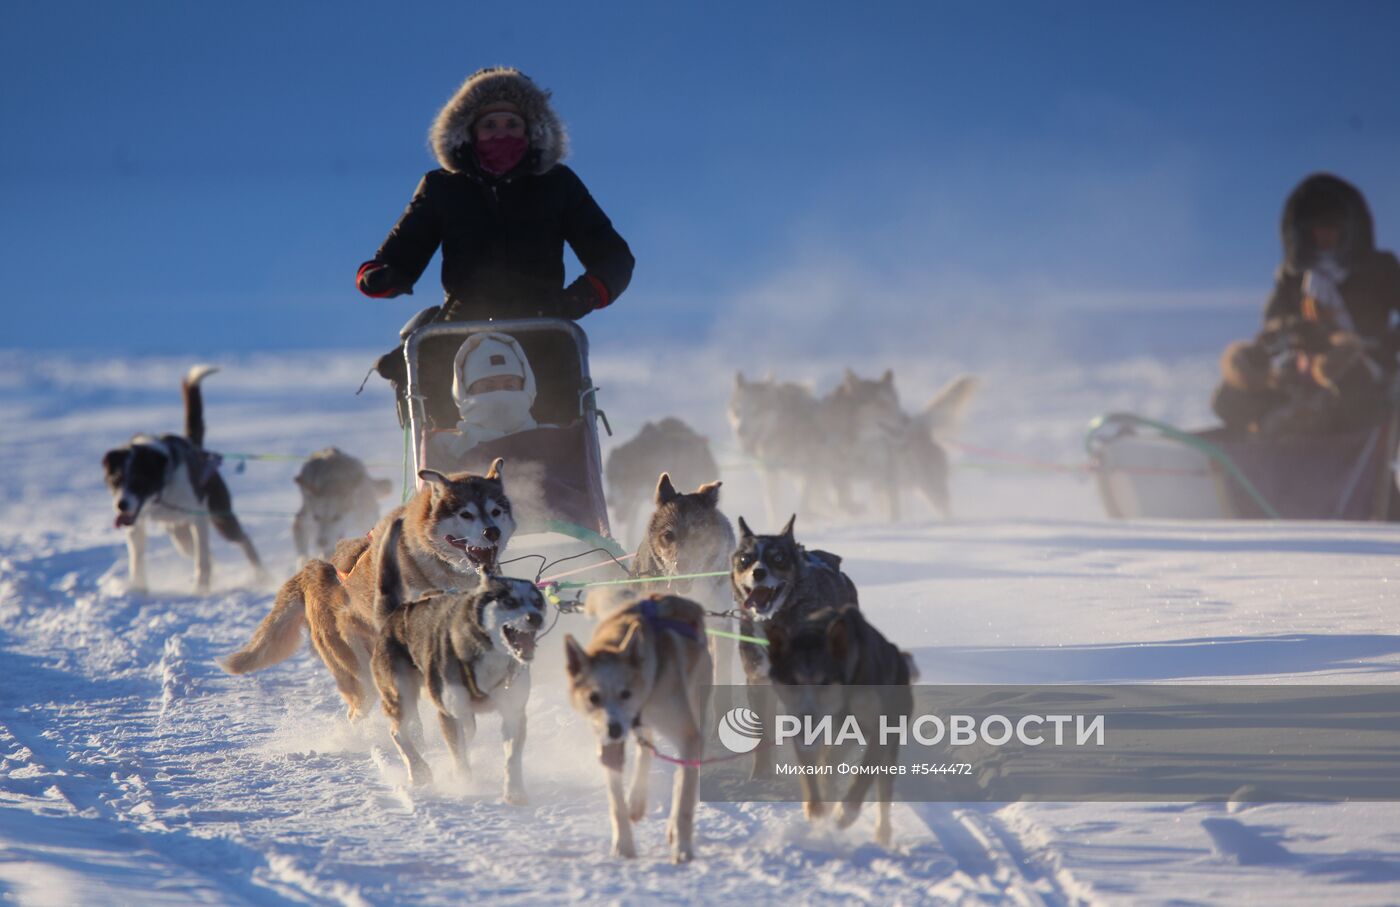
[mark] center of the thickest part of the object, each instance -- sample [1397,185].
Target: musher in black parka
[501,206]
[1326,354]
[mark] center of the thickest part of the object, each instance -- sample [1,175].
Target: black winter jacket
[503,241]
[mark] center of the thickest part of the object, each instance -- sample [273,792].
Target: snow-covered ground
[132,769]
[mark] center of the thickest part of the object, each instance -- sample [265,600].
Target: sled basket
[1150,470]
[553,473]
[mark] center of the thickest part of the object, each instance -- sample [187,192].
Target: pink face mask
[499,155]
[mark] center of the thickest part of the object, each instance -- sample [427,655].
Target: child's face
[496,383]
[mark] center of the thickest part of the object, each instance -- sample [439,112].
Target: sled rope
[693,763]
[636,580]
[288,458]
[1199,444]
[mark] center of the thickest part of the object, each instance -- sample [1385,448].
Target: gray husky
[668,445]
[900,451]
[688,534]
[339,499]
[781,426]
[790,431]
[470,652]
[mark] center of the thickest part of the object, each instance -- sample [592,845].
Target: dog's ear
[382,487]
[437,480]
[665,491]
[575,659]
[709,493]
[495,471]
[787,528]
[114,461]
[887,377]
[744,531]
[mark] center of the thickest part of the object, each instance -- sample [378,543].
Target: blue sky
[207,177]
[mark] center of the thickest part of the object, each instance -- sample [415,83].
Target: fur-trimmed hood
[1320,197]
[451,133]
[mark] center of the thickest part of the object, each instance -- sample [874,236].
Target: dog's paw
[625,848]
[813,809]
[420,775]
[637,809]
[846,814]
[516,796]
[681,855]
[884,833]
[138,590]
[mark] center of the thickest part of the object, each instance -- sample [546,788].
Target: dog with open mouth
[455,528]
[777,582]
[171,481]
[469,652]
[645,671]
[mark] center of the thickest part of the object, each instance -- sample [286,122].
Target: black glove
[579,298]
[378,280]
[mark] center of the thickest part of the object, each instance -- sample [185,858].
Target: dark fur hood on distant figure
[1323,197]
[452,130]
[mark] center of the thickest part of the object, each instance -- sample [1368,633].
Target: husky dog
[670,445]
[833,662]
[776,581]
[470,652]
[688,534]
[865,416]
[172,481]
[339,499]
[454,527]
[645,671]
[782,427]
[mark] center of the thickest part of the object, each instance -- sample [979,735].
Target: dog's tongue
[611,755]
[759,597]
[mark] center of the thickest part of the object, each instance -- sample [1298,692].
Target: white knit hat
[488,356]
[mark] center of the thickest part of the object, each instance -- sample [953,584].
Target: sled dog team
[419,607]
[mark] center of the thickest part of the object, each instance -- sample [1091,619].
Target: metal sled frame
[1363,486]
[587,404]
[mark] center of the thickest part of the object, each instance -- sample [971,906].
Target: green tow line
[1190,440]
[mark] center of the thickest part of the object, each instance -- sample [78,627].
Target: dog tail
[943,414]
[279,635]
[194,402]
[389,593]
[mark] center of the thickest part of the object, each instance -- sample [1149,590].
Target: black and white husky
[171,481]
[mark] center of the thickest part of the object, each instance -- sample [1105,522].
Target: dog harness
[649,612]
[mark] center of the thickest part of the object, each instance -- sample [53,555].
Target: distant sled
[1151,470]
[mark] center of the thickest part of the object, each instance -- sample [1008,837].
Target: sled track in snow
[998,868]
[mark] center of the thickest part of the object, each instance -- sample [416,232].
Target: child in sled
[494,389]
